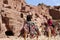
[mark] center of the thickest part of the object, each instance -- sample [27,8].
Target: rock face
[55,12]
[13,14]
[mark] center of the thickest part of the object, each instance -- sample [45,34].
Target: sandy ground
[40,38]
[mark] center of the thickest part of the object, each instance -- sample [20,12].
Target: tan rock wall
[10,15]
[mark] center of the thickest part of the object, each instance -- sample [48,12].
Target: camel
[28,30]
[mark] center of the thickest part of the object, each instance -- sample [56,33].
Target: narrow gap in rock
[23,8]
[8,7]
[21,15]
[36,15]
[2,10]
[31,8]
[22,4]
[5,1]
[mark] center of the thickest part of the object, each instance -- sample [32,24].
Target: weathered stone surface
[10,15]
[55,14]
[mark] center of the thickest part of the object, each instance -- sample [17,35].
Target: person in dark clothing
[29,17]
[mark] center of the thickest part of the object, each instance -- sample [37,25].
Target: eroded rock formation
[13,14]
[55,12]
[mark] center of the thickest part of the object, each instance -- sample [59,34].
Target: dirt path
[40,38]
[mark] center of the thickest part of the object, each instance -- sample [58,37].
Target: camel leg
[37,37]
[25,35]
[38,33]
[49,33]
